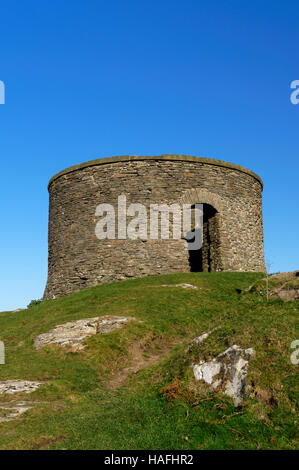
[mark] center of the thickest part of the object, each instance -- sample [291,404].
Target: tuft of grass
[34,302]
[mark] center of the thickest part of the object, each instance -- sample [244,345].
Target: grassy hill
[134,389]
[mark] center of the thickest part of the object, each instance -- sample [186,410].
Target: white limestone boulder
[228,371]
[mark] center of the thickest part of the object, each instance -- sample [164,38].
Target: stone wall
[78,259]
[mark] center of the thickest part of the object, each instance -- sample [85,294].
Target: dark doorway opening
[206,258]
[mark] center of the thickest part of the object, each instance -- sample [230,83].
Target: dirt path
[139,361]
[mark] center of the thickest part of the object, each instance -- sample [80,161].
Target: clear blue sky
[90,79]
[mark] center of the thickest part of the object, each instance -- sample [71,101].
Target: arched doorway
[206,258]
[210,256]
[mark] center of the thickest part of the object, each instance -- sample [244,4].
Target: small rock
[13,410]
[200,339]
[228,371]
[72,334]
[17,386]
[183,286]
[287,294]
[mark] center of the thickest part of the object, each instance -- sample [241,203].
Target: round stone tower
[230,195]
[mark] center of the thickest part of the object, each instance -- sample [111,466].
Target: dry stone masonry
[232,220]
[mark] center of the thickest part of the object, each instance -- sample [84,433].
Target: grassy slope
[79,412]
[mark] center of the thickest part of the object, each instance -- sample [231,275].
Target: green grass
[160,407]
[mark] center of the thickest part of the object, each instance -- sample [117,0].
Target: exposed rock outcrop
[17,386]
[72,334]
[228,371]
[13,410]
[288,288]
[281,285]
[183,286]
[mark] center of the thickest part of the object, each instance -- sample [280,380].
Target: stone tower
[232,219]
